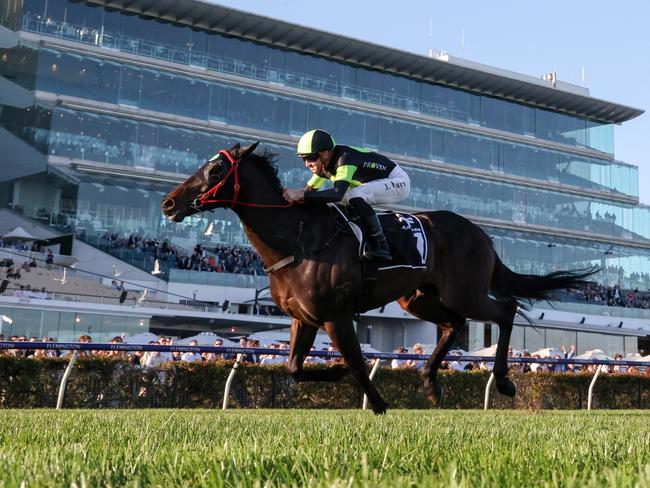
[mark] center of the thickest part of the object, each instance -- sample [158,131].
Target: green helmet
[314,141]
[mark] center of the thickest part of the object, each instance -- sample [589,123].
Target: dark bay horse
[316,275]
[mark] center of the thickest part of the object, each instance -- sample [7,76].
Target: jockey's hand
[291,196]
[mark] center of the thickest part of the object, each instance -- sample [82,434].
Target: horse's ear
[248,149]
[234,150]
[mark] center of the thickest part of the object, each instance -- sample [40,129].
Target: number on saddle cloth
[405,234]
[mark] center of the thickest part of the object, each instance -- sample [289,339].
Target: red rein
[208,196]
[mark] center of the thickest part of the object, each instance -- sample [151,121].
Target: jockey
[361,178]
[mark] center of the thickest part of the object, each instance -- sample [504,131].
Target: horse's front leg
[302,339]
[345,339]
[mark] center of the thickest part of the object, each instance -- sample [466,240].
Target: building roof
[458,73]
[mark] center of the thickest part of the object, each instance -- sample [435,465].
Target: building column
[476,336]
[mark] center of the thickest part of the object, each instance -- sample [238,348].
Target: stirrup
[379,253]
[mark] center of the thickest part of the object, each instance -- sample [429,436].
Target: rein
[209,196]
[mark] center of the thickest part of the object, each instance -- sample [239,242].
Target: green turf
[323,448]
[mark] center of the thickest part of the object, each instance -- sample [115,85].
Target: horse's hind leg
[500,370]
[425,305]
[302,338]
[345,339]
[503,313]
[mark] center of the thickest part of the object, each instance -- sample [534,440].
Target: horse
[316,274]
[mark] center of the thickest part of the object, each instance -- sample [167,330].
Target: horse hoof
[380,409]
[435,394]
[506,387]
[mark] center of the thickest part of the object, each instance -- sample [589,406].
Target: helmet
[314,141]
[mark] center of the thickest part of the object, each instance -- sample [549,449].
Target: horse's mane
[266,163]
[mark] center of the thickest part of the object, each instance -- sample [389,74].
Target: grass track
[324,448]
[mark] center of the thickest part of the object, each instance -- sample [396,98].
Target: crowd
[16,272]
[22,245]
[244,260]
[224,259]
[515,366]
[612,296]
[220,259]
[151,359]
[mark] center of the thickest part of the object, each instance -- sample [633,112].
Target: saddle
[405,235]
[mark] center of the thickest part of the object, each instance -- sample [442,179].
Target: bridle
[210,196]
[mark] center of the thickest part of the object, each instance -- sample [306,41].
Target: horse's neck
[278,233]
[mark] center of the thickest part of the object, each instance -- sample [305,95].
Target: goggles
[310,158]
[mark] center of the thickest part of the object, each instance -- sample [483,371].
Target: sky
[609,39]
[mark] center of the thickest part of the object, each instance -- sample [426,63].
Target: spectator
[536,367]
[244,343]
[455,365]
[619,368]
[416,363]
[563,368]
[214,356]
[192,357]
[525,367]
[151,359]
[314,359]
[86,339]
[116,354]
[166,355]
[251,358]
[13,273]
[272,358]
[399,363]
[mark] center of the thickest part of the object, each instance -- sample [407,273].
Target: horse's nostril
[168,204]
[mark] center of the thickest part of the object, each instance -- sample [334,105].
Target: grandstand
[102,112]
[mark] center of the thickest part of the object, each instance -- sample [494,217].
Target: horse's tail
[506,282]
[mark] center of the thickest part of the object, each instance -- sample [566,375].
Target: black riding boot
[377,243]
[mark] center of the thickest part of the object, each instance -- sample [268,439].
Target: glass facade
[123,141]
[169,118]
[167,92]
[537,253]
[185,46]
[11,13]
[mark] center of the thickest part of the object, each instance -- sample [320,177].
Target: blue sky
[611,40]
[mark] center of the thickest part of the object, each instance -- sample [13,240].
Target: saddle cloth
[405,235]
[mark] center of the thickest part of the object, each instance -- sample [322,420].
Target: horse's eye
[216,170]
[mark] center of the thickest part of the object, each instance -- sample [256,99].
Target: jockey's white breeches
[387,190]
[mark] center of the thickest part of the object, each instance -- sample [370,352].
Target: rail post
[226,391]
[64,380]
[591,386]
[375,368]
[486,401]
